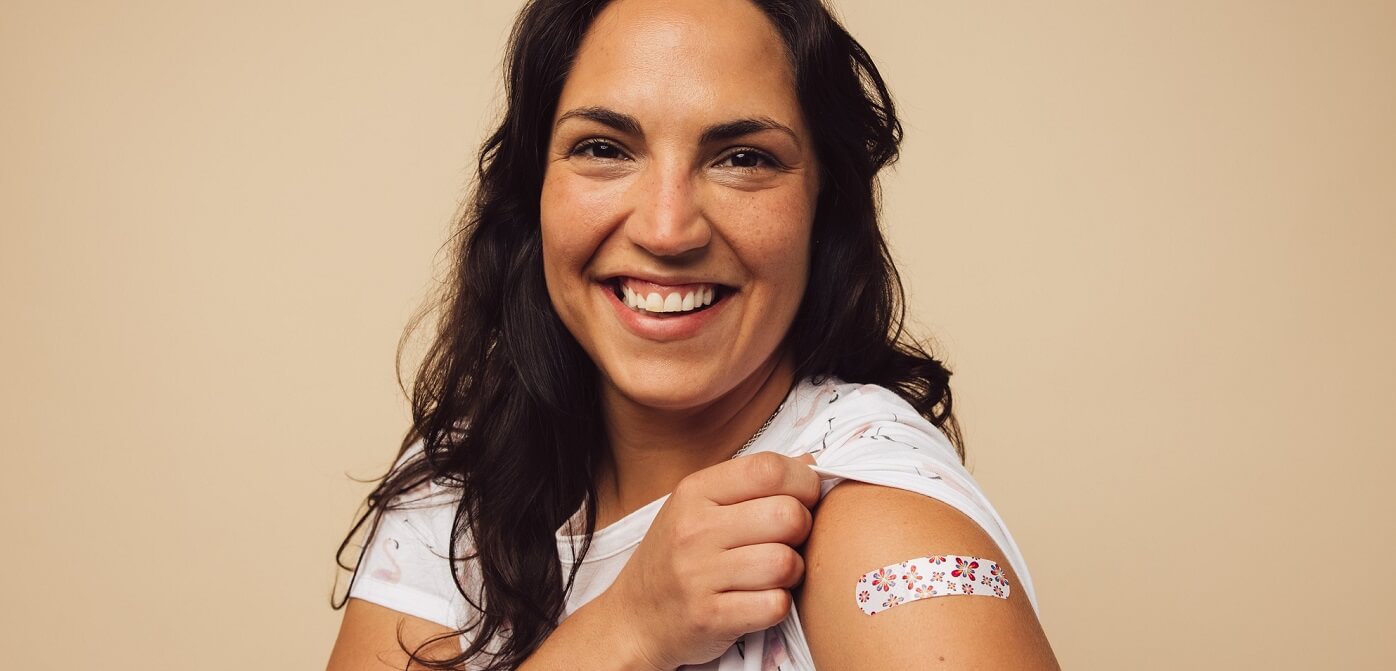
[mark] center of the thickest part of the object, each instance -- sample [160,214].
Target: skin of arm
[859,527]
[587,640]
[591,639]
[369,642]
[368,639]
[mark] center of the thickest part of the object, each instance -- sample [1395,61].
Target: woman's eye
[746,159]
[603,150]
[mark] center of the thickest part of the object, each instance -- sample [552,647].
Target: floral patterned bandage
[925,577]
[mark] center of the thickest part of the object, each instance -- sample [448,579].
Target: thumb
[806,458]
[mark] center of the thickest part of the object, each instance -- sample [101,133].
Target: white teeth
[674,302]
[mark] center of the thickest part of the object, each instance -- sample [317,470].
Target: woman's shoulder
[895,498]
[868,434]
[827,412]
[407,560]
[430,490]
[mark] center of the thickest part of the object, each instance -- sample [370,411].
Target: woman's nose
[668,219]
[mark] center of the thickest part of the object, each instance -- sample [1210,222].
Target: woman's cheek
[782,245]
[576,211]
[562,215]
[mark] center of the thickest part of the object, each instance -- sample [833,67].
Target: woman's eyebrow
[734,129]
[606,117]
[719,132]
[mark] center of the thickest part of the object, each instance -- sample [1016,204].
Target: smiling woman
[672,259]
[665,180]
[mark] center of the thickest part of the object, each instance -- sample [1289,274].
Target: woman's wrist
[627,640]
[597,636]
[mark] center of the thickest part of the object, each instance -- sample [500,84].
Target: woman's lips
[678,314]
[656,298]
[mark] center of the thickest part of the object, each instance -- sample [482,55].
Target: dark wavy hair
[506,403]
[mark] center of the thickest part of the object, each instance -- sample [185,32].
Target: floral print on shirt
[773,654]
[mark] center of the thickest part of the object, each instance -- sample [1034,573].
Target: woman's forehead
[673,59]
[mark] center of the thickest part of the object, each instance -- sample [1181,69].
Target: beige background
[1154,240]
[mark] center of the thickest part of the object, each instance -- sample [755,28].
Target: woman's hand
[719,559]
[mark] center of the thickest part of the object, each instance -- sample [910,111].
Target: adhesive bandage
[925,577]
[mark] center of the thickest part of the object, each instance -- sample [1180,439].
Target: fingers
[754,476]
[760,567]
[717,561]
[753,611]
[769,519]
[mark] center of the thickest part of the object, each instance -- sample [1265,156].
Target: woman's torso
[858,432]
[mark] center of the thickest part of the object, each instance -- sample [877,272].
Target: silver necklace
[759,431]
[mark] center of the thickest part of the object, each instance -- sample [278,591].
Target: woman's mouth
[661,301]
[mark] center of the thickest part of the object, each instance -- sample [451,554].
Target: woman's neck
[652,449]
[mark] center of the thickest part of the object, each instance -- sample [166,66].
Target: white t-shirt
[856,432]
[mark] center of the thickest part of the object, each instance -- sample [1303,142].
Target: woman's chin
[668,387]
[679,384]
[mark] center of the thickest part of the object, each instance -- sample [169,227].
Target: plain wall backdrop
[1154,241]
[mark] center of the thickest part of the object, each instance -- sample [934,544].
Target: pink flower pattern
[905,582]
[884,580]
[964,567]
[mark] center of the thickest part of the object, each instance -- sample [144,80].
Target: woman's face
[679,172]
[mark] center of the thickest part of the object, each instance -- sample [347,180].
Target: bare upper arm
[859,528]
[368,639]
